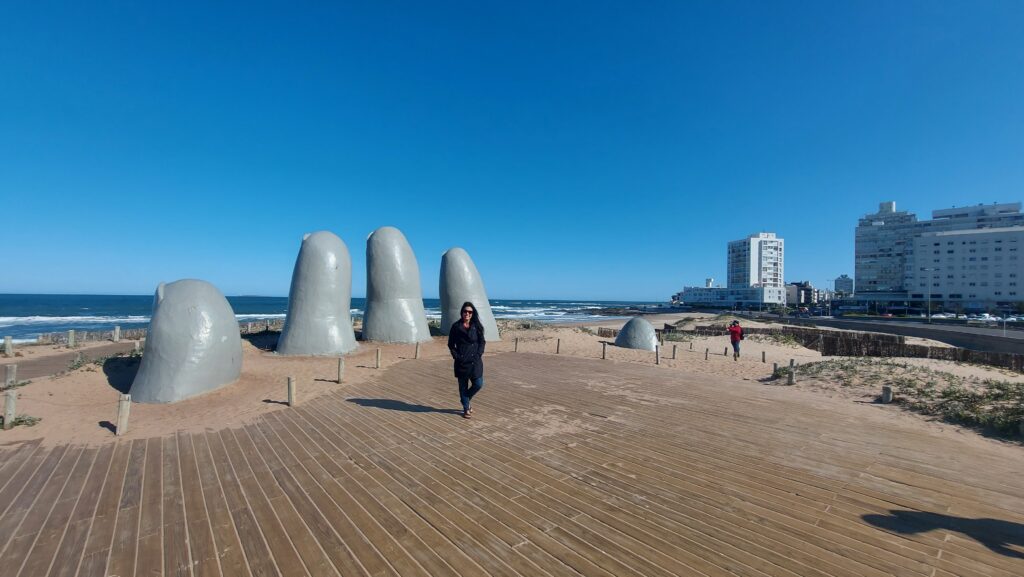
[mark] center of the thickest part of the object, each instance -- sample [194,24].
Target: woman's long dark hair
[475,319]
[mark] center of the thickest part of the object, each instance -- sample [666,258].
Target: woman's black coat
[467,348]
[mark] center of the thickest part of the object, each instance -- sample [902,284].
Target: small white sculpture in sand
[637,334]
[394,301]
[319,318]
[193,345]
[460,282]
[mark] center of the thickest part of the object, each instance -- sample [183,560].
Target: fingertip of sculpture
[394,302]
[319,320]
[460,282]
[637,334]
[192,346]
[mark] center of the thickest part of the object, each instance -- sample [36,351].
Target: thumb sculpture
[319,318]
[394,302]
[637,334]
[193,345]
[460,282]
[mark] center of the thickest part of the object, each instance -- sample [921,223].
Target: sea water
[25,316]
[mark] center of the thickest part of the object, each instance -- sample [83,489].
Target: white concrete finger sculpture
[394,301]
[637,334]
[460,282]
[319,321]
[193,344]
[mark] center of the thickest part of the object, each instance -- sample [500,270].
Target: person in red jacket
[735,336]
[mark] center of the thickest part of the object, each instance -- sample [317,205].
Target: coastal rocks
[637,334]
[193,344]
[319,320]
[394,302]
[461,282]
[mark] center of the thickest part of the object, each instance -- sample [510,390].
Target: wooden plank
[202,549]
[382,542]
[176,554]
[126,527]
[35,516]
[52,530]
[20,495]
[12,459]
[432,551]
[285,556]
[257,554]
[104,519]
[228,544]
[313,557]
[149,558]
[334,533]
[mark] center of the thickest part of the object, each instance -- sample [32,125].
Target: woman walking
[466,344]
[735,336]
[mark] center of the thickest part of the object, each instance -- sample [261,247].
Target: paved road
[35,368]
[974,338]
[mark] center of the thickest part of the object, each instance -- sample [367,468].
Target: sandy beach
[80,404]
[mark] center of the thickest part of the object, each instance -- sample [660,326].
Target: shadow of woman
[393,405]
[996,534]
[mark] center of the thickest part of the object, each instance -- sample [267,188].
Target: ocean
[24,316]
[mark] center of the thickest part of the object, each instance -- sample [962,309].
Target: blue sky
[590,150]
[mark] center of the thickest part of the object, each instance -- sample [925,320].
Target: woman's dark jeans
[467,392]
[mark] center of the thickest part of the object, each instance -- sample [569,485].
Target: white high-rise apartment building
[886,241]
[754,276]
[756,262]
[969,269]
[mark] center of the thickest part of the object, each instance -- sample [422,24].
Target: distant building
[844,286]
[886,260]
[754,272]
[729,297]
[969,269]
[756,261]
[800,294]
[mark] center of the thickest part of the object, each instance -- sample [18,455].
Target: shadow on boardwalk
[393,405]
[995,534]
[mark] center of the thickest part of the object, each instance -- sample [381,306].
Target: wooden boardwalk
[570,467]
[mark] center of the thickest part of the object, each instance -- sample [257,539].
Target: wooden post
[268,325]
[725,353]
[71,338]
[706,354]
[673,352]
[691,345]
[417,355]
[291,392]
[378,358]
[657,354]
[341,369]
[886,394]
[792,364]
[791,379]
[763,360]
[558,346]
[137,346]
[775,369]
[117,333]
[516,349]
[8,346]
[248,328]
[9,408]
[124,406]
[604,350]
[11,376]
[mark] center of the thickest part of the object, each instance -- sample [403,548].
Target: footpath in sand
[571,466]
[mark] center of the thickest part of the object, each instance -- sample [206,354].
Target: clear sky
[590,150]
